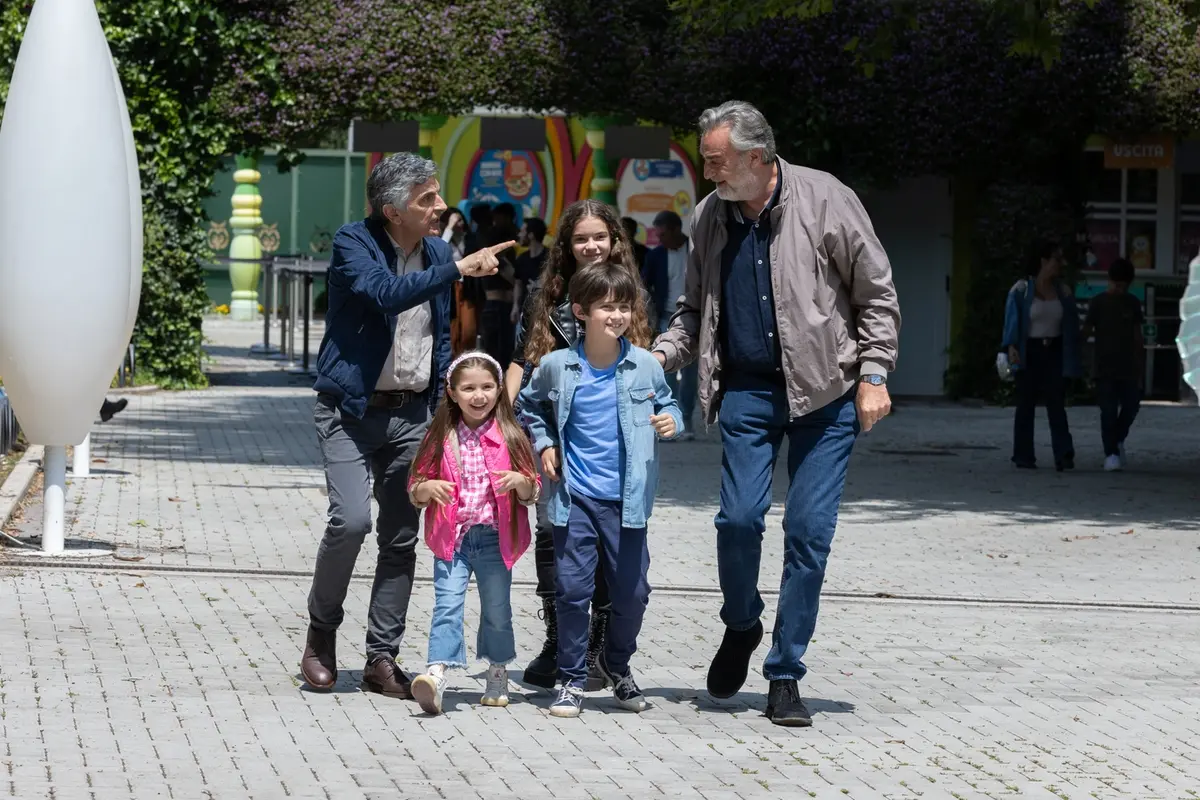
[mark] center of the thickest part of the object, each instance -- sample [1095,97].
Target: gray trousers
[376,450]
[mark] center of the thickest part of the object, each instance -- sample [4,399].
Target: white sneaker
[428,689]
[496,693]
[1112,463]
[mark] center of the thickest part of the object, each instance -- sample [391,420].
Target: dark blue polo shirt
[748,334]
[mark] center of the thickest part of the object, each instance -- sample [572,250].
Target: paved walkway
[172,671]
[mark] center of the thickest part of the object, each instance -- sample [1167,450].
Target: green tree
[1034,23]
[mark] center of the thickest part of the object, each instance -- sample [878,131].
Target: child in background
[595,410]
[473,472]
[1115,318]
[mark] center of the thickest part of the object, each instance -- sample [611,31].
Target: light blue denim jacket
[641,391]
[1017,311]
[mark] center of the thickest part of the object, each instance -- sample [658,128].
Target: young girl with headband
[473,472]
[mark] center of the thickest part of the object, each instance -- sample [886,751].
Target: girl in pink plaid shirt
[474,475]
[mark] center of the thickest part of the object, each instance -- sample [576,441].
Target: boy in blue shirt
[595,411]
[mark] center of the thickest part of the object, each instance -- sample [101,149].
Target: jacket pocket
[641,404]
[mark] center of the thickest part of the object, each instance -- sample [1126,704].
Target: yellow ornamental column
[246,219]
[430,125]
[603,186]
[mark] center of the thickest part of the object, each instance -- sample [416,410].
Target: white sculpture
[1188,340]
[70,235]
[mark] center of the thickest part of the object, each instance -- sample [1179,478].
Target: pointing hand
[483,262]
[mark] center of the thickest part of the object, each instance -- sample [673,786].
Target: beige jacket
[835,305]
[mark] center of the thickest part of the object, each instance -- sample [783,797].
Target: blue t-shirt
[593,438]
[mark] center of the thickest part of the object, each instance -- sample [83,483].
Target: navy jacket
[365,297]
[657,278]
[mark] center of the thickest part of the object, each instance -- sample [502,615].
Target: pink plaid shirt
[476,498]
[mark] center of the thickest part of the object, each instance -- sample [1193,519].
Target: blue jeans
[593,533]
[479,552]
[754,421]
[1119,404]
[685,385]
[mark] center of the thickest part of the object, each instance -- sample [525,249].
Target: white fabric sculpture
[1188,340]
[70,231]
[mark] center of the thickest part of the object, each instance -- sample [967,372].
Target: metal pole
[285,311]
[81,459]
[268,271]
[308,283]
[1150,317]
[276,301]
[54,499]
[293,317]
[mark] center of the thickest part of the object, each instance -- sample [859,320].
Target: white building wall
[915,222]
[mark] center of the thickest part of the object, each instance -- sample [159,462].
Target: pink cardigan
[440,529]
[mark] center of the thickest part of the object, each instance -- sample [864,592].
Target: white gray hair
[748,128]
[394,178]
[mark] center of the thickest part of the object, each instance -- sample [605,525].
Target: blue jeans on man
[754,421]
[478,553]
[685,386]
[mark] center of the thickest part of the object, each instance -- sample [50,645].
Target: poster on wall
[1104,243]
[1189,245]
[506,176]
[646,187]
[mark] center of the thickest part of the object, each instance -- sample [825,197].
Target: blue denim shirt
[1017,311]
[641,391]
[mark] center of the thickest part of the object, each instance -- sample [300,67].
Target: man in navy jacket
[379,377]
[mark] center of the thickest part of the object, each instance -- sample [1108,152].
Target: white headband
[476,354]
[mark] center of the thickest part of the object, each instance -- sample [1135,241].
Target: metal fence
[8,425]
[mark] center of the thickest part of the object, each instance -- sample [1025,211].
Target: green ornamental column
[430,125]
[603,187]
[246,219]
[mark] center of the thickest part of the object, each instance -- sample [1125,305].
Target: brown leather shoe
[382,676]
[318,665]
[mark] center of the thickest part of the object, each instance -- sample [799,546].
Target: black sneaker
[784,706]
[731,664]
[569,702]
[625,688]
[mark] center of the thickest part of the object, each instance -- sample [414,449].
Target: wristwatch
[874,380]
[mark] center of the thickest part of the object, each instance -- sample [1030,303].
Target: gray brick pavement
[127,685]
[231,478]
[135,683]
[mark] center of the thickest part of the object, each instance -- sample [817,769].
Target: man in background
[664,273]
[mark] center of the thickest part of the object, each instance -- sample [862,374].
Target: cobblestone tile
[188,685]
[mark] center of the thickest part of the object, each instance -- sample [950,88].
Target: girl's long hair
[428,463]
[560,267]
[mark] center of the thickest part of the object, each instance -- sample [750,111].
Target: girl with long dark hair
[589,232]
